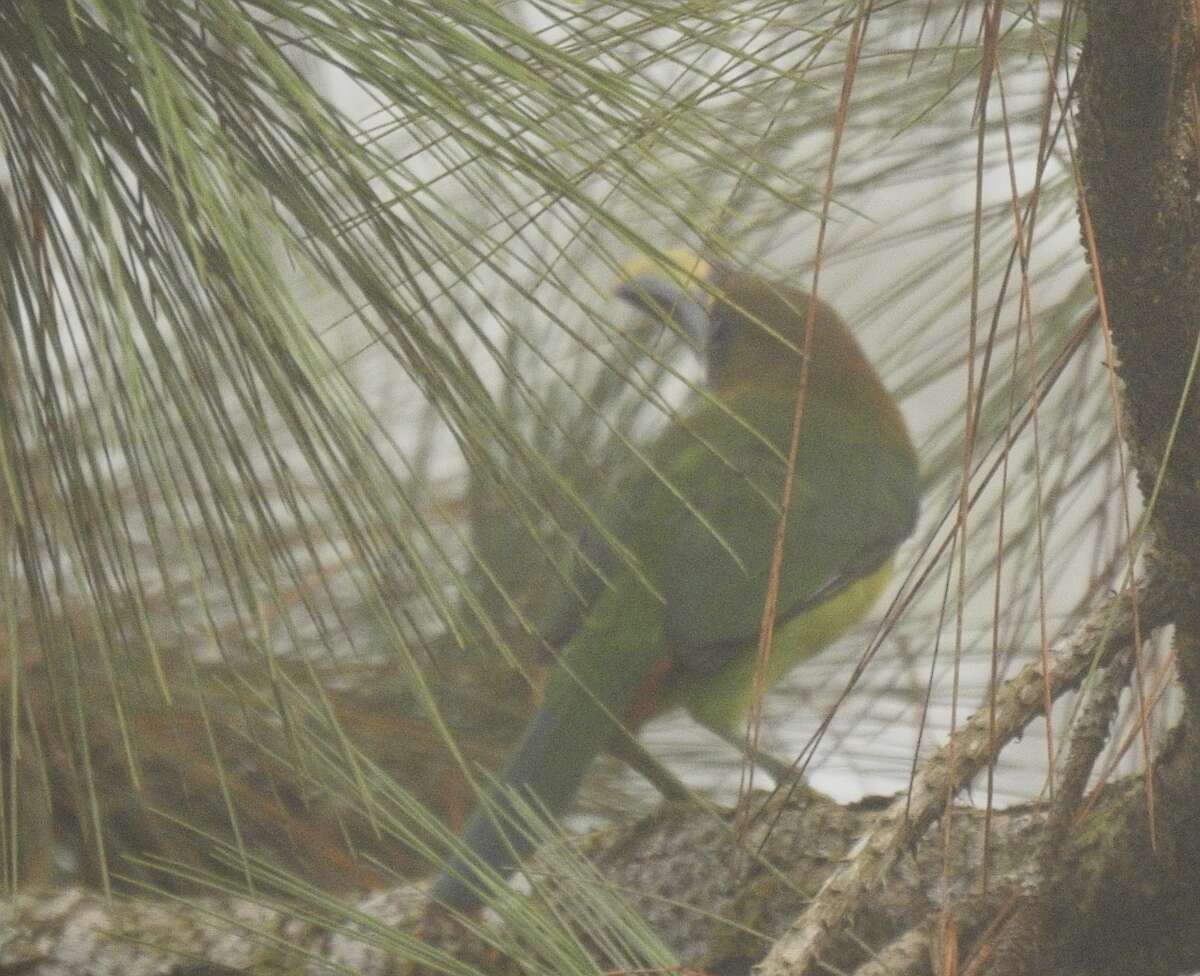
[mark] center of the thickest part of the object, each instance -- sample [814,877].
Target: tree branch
[1108,631]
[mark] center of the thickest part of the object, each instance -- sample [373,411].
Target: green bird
[673,601]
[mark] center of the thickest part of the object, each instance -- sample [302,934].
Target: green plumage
[674,620]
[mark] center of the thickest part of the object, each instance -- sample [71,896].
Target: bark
[1128,909]
[687,866]
[1138,156]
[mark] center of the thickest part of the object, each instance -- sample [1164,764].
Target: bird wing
[853,500]
[698,521]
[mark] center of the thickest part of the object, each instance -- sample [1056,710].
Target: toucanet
[667,611]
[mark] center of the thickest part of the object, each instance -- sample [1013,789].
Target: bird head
[673,287]
[739,322]
[750,329]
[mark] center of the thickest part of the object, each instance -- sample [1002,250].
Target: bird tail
[586,699]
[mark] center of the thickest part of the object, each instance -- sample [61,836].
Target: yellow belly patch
[723,701]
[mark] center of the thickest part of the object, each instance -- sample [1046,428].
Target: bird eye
[668,301]
[716,349]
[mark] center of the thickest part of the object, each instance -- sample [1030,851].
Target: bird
[668,605]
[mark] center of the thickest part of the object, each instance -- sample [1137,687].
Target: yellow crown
[679,264]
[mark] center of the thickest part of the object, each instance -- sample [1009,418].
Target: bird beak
[672,302]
